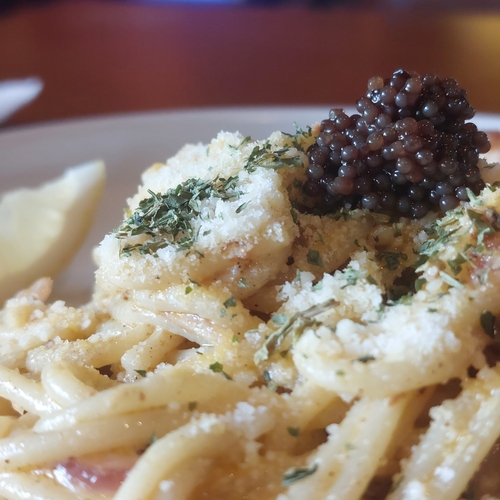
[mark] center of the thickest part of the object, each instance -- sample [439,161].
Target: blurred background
[109,56]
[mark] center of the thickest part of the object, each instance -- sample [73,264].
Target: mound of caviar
[408,150]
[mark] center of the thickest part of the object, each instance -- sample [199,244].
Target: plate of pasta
[262,324]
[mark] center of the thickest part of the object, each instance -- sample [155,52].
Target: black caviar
[408,150]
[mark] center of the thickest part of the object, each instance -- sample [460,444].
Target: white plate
[129,144]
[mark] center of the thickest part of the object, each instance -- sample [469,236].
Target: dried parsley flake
[219,368]
[488,323]
[166,219]
[314,258]
[297,473]
[294,326]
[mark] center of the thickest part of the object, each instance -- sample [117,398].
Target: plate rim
[192,112]
[167,112]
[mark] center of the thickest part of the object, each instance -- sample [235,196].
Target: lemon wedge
[41,229]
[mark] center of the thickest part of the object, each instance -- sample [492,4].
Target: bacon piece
[100,473]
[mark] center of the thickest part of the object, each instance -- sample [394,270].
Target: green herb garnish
[279,319]
[243,142]
[351,276]
[481,226]
[450,280]
[297,473]
[314,258]
[269,381]
[167,218]
[295,326]
[230,302]
[392,259]
[443,230]
[299,134]
[265,157]
[366,359]
[243,283]
[242,207]
[219,368]
[456,263]
[488,323]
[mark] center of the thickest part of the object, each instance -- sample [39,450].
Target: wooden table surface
[99,57]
